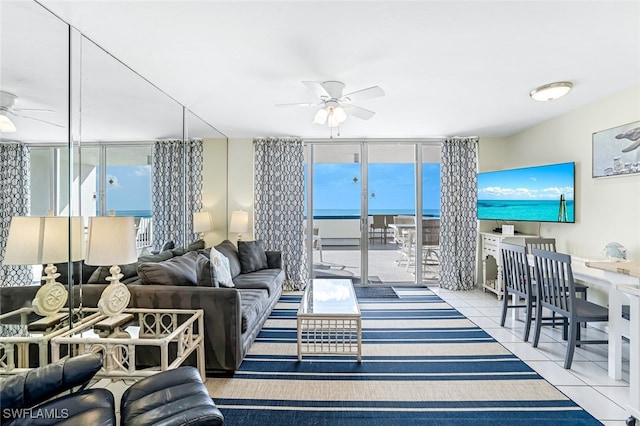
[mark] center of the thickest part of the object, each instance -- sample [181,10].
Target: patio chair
[555,291]
[430,243]
[404,236]
[317,241]
[378,224]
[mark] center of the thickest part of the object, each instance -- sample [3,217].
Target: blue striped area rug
[424,363]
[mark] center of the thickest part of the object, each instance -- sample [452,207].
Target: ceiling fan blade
[33,109]
[368,93]
[361,113]
[333,88]
[298,105]
[37,119]
[317,88]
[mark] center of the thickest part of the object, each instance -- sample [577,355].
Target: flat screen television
[535,194]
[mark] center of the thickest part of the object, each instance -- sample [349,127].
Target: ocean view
[531,210]
[334,213]
[134,213]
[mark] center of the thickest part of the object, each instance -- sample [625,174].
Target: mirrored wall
[90,125]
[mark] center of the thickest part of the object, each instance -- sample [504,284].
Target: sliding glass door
[335,225]
[375,208]
[391,200]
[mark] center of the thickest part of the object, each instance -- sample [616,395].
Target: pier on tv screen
[538,194]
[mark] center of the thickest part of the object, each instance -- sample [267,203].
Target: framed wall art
[616,151]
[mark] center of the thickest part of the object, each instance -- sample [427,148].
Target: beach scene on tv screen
[541,194]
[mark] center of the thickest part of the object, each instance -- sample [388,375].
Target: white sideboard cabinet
[491,247]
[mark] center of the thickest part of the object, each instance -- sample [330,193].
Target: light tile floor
[587,382]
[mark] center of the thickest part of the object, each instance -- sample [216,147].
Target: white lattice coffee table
[179,329]
[329,320]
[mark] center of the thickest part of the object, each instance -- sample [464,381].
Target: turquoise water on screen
[529,210]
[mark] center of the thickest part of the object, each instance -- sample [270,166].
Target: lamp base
[115,298]
[52,296]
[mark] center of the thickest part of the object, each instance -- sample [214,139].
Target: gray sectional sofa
[233,316]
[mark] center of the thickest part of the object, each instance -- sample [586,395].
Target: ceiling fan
[7,108]
[335,104]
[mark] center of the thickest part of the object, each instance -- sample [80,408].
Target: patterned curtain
[279,203]
[176,190]
[458,222]
[14,201]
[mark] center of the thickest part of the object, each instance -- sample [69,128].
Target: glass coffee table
[329,319]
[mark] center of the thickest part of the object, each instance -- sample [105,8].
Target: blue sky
[391,186]
[532,183]
[131,188]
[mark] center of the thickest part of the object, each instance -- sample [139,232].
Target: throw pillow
[196,245]
[169,245]
[182,271]
[221,269]
[229,250]
[252,256]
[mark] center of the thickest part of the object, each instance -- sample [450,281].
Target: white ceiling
[447,67]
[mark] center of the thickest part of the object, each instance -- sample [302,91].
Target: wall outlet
[507,230]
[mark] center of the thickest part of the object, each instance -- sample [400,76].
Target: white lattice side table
[162,328]
[22,330]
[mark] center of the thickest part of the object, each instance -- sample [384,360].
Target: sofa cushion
[231,252]
[191,269]
[130,271]
[265,279]
[221,270]
[252,256]
[252,303]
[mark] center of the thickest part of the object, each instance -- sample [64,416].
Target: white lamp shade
[111,241]
[55,247]
[36,240]
[201,222]
[24,241]
[239,222]
[6,125]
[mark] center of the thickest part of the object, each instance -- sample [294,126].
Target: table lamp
[111,240]
[202,223]
[35,240]
[239,223]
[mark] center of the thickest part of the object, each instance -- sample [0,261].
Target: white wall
[607,209]
[228,185]
[214,199]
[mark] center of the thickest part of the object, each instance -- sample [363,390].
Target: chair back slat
[430,232]
[515,269]
[554,280]
[548,244]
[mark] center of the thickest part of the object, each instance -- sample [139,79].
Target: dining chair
[517,281]
[549,244]
[555,291]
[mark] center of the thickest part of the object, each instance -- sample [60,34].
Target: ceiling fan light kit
[336,106]
[7,107]
[551,91]
[6,125]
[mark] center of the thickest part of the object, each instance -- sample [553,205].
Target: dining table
[624,288]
